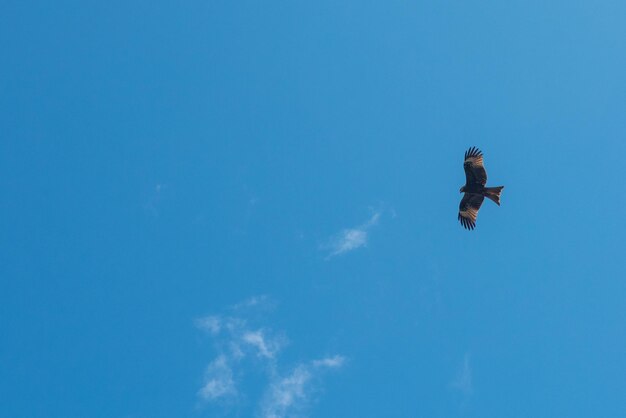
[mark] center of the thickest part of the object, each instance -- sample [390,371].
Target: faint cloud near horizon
[246,346]
[350,239]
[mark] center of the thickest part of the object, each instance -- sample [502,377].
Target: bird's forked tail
[493,193]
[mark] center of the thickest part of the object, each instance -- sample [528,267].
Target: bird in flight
[474,189]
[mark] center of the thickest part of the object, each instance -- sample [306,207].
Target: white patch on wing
[469,213]
[475,161]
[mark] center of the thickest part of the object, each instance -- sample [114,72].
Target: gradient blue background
[160,161]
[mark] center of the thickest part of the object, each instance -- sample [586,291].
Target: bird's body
[474,189]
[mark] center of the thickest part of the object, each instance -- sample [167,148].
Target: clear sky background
[249,209]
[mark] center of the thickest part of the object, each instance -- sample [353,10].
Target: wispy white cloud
[219,381]
[238,343]
[212,324]
[463,380]
[331,362]
[350,239]
[254,302]
[267,347]
[286,394]
[291,394]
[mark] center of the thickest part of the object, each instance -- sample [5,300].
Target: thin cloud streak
[331,362]
[350,239]
[259,301]
[463,381]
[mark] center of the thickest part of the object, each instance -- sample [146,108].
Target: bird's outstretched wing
[468,209]
[474,168]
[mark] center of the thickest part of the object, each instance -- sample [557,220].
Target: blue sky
[248,209]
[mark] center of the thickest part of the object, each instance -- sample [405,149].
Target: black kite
[474,189]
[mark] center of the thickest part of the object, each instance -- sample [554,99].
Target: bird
[474,189]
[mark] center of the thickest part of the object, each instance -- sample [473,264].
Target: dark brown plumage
[474,189]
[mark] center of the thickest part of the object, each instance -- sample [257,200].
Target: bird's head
[462,189]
